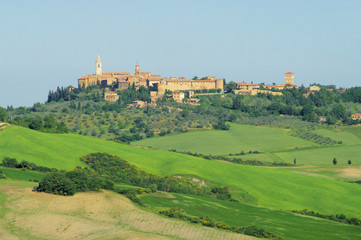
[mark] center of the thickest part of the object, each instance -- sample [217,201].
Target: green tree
[231,86]
[10,162]
[334,161]
[3,114]
[49,122]
[36,123]
[56,183]
[349,162]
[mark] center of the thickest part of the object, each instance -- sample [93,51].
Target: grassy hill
[282,223]
[275,144]
[112,208]
[94,215]
[265,187]
[238,138]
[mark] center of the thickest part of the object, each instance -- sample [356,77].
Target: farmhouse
[356,116]
[111,96]
[178,96]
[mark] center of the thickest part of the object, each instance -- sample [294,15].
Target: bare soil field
[3,125]
[350,172]
[96,215]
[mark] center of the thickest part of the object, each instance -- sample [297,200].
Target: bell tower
[98,66]
[289,77]
[137,69]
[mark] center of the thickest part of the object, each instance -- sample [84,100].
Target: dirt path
[104,215]
[3,125]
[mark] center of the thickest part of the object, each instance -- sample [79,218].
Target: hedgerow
[209,222]
[338,217]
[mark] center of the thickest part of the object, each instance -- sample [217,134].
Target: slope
[265,187]
[238,138]
[94,215]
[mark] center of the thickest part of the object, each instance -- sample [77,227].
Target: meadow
[274,145]
[266,187]
[282,223]
[94,215]
[239,138]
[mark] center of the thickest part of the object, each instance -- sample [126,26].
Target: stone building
[185,84]
[356,116]
[121,79]
[178,96]
[151,81]
[111,96]
[289,82]
[314,88]
[289,76]
[247,86]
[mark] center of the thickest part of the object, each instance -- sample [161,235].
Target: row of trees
[46,124]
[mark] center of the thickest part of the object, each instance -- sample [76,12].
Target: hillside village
[184,90]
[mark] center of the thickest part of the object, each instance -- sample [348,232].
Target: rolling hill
[266,187]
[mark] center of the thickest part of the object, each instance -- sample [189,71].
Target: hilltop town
[155,83]
[180,87]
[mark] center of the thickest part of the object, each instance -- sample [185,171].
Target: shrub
[10,162]
[56,183]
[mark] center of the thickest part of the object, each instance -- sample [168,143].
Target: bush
[56,183]
[153,187]
[10,162]
[69,183]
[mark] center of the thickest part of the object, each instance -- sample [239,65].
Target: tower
[289,76]
[137,69]
[98,66]
[219,84]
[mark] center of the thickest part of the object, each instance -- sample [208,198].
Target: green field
[275,145]
[272,188]
[238,138]
[18,174]
[282,223]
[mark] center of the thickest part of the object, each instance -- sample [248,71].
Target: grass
[356,130]
[282,223]
[239,138]
[18,174]
[94,215]
[274,144]
[346,137]
[266,187]
[324,156]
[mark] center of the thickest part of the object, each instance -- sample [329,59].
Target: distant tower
[289,76]
[219,84]
[137,69]
[98,66]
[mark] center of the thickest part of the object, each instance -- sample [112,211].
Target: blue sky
[45,44]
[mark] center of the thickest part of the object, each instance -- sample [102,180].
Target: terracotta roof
[289,73]
[203,80]
[111,93]
[271,86]
[356,114]
[86,76]
[248,84]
